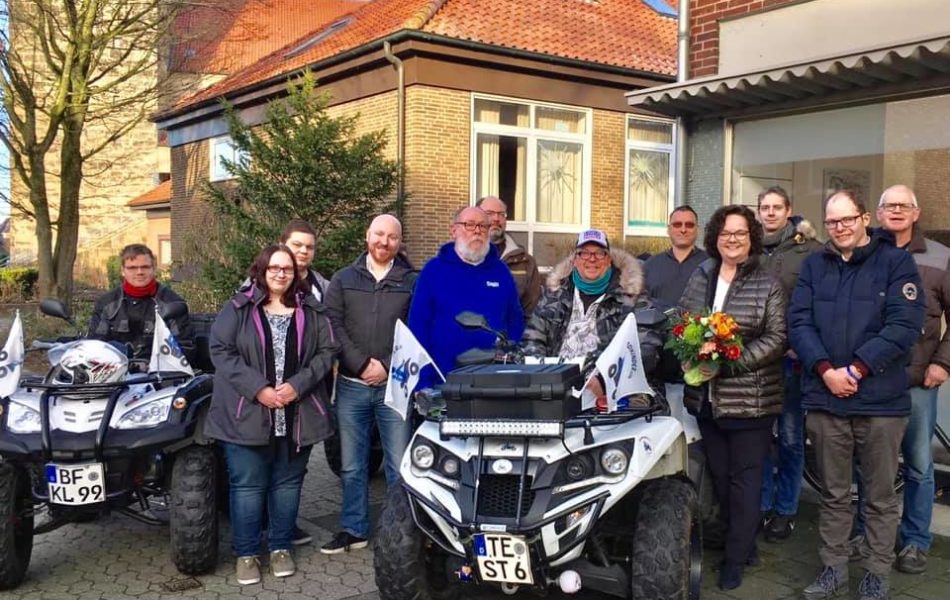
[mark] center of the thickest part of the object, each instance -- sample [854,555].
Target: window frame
[671,150]
[216,171]
[532,134]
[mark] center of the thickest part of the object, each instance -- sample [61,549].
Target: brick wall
[704,19]
[607,172]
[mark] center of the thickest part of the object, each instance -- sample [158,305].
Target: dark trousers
[735,458]
[875,441]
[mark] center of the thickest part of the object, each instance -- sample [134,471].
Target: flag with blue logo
[408,360]
[621,365]
[11,359]
[167,355]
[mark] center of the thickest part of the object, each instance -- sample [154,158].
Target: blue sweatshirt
[447,286]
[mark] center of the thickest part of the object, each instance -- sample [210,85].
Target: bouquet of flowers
[703,343]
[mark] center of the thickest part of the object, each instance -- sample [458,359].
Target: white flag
[167,355]
[11,359]
[408,360]
[621,365]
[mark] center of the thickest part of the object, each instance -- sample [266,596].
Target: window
[537,159]
[222,148]
[164,251]
[649,175]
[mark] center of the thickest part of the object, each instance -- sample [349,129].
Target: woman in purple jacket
[271,346]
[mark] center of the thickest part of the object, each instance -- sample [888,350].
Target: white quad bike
[90,438]
[507,483]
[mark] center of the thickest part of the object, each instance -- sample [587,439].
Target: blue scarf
[592,288]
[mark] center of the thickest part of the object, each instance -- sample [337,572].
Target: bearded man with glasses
[855,314]
[466,275]
[666,273]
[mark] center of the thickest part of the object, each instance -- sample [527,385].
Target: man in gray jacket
[364,301]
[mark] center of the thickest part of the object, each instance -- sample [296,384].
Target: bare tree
[67,66]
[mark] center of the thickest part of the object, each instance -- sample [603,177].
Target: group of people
[833,329]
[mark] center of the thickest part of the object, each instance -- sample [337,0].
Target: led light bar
[502,428]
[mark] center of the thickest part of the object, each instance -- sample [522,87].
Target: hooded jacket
[524,270]
[363,311]
[625,294]
[869,309]
[448,286]
[754,386]
[933,263]
[785,251]
[238,352]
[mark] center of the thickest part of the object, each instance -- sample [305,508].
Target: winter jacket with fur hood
[754,387]
[625,294]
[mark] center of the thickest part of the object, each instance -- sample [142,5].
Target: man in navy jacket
[466,274]
[855,313]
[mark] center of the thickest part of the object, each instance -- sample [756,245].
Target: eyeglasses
[591,254]
[137,268]
[682,224]
[275,269]
[495,213]
[739,236]
[845,222]
[893,207]
[483,227]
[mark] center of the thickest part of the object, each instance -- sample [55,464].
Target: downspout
[400,125]
[682,74]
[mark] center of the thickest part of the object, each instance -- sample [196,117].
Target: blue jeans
[917,451]
[357,405]
[262,475]
[781,490]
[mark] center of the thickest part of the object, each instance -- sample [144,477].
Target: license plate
[76,484]
[502,557]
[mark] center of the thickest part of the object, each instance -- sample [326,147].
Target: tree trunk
[39,199]
[67,231]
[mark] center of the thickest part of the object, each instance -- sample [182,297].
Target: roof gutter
[278,82]
[682,74]
[400,123]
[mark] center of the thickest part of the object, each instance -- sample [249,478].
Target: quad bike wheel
[16,525]
[193,515]
[408,566]
[331,449]
[666,543]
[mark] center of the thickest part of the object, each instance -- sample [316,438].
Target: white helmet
[91,361]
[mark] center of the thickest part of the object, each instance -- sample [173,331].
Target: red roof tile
[622,33]
[161,194]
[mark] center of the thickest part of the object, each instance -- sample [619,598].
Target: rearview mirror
[173,310]
[54,307]
[472,320]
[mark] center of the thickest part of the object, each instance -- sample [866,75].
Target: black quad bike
[94,436]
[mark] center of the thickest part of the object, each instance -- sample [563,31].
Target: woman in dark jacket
[271,346]
[737,407]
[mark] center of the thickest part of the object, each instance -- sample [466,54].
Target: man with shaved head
[466,274]
[364,300]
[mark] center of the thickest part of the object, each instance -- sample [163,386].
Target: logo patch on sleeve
[910,291]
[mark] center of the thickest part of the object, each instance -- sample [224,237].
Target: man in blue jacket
[855,313]
[466,274]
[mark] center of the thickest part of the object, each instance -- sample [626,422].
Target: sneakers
[343,542]
[282,563]
[779,528]
[300,537]
[247,570]
[911,559]
[831,582]
[857,547]
[873,587]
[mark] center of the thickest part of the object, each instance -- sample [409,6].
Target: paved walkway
[119,559]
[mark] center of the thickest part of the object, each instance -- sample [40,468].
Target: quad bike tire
[16,525]
[331,449]
[193,515]
[403,556]
[666,542]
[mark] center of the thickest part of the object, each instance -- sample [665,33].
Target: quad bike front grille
[498,496]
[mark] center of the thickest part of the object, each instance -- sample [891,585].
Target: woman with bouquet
[742,393]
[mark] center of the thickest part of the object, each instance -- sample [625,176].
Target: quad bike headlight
[22,419]
[450,466]
[423,456]
[614,461]
[148,415]
[576,469]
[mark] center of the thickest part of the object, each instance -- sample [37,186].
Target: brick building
[814,95]
[524,100]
